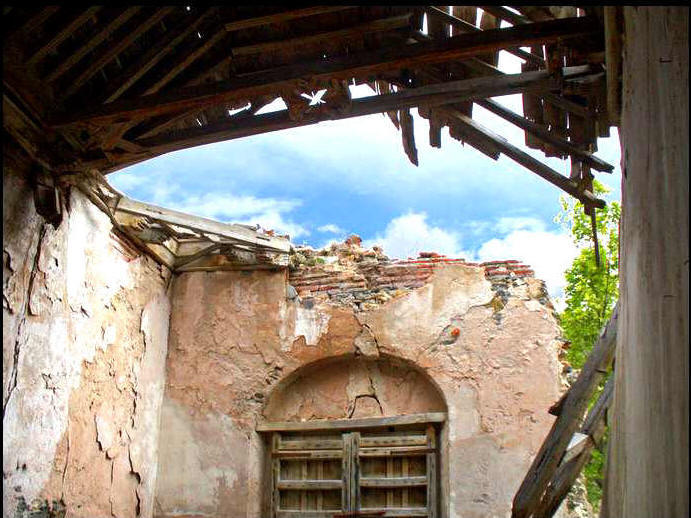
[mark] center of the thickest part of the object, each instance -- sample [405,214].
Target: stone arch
[353,386]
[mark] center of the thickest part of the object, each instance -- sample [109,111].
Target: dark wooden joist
[544,134]
[186,61]
[344,67]
[32,23]
[147,61]
[464,26]
[284,16]
[505,14]
[97,64]
[65,32]
[101,34]
[518,155]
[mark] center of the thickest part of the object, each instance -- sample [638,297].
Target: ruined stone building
[157,364]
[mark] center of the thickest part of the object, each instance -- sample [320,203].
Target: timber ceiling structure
[90,90]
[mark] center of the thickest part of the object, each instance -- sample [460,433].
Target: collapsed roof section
[183,242]
[104,87]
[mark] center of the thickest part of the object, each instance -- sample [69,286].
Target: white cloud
[407,235]
[507,224]
[549,254]
[331,229]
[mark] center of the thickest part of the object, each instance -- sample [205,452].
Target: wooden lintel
[342,67]
[352,424]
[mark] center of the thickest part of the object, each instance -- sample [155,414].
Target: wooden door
[378,471]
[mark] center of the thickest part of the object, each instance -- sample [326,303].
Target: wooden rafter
[186,61]
[345,67]
[469,27]
[64,33]
[356,31]
[283,16]
[544,134]
[134,72]
[101,34]
[116,49]
[516,154]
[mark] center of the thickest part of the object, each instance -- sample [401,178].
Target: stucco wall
[648,468]
[235,335]
[85,330]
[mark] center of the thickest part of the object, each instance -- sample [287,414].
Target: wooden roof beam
[284,16]
[343,67]
[468,27]
[63,34]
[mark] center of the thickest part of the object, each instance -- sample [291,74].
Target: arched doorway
[354,435]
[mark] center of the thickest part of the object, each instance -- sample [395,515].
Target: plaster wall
[237,354]
[648,468]
[85,331]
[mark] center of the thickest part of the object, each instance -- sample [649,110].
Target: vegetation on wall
[590,295]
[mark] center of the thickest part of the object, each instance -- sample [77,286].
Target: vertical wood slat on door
[431,473]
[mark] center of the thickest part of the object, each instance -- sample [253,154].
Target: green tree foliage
[590,294]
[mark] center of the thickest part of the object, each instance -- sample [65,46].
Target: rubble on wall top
[348,272]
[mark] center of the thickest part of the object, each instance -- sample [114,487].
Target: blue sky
[323,182]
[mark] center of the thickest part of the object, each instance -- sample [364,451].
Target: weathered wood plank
[403,451]
[393,440]
[311,444]
[547,459]
[352,424]
[310,485]
[343,67]
[228,231]
[393,482]
[593,429]
[505,14]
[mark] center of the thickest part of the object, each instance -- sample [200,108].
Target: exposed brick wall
[373,278]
